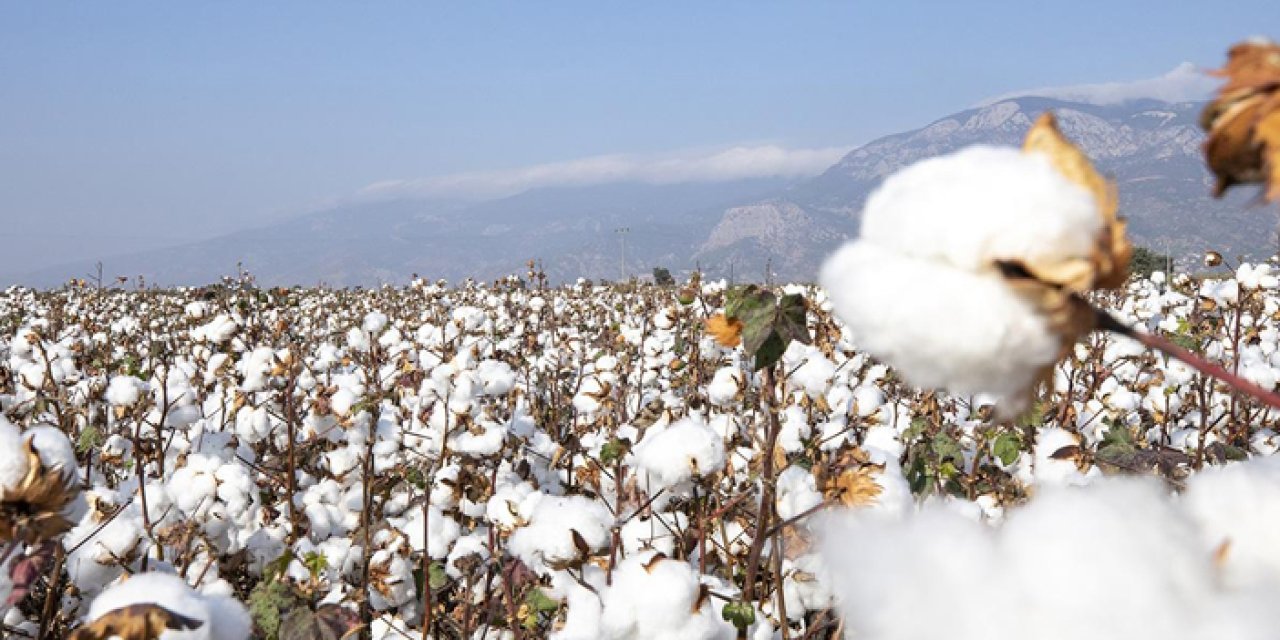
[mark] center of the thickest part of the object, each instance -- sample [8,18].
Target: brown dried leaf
[855,487]
[1243,121]
[727,331]
[1108,267]
[135,622]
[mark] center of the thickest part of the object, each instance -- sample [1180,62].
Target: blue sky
[130,124]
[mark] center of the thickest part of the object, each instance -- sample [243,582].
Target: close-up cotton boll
[937,282]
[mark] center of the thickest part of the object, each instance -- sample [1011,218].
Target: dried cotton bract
[967,271]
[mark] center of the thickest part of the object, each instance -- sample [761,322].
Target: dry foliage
[1243,122]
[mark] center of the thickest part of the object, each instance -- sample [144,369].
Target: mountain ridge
[736,229]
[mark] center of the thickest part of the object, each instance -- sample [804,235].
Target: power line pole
[622,257]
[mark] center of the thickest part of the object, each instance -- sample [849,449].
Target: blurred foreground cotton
[967,267]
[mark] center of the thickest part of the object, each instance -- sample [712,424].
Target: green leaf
[946,448]
[439,577]
[791,322]
[538,601]
[770,352]
[741,614]
[315,563]
[612,451]
[1006,448]
[90,438]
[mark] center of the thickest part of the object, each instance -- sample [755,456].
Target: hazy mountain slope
[1151,148]
[572,230]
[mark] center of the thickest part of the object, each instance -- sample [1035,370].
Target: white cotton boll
[511,505]
[658,532]
[196,310]
[725,386]
[797,492]
[919,289]
[231,621]
[123,391]
[474,546]
[814,375]
[374,322]
[940,327]
[441,531]
[357,339]
[1239,506]
[686,448]
[591,394]
[654,598]
[13,455]
[806,585]
[795,429]
[484,439]
[1050,471]
[884,439]
[665,319]
[1150,550]
[548,537]
[395,586]
[497,377]
[886,573]
[217,331]
[974,206]
[868,399]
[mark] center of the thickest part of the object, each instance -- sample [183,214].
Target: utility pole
[622,258]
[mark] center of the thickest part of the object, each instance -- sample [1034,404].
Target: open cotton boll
[13,455]
[939,326]
[725,386]
[686,448]
[981,204]
[223,618]
[548,537]
[1237,508]
[656,598]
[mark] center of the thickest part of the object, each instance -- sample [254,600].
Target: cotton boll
[231,621]
[1051,471]
[797,492]
[124,391]
[886,572]
[548,537]
[981,204]
[657,598]
[497,377]
[1237,508]
[657,532]
[686,448]
[941,327]
[1149,550]
[725,386]
[13,455]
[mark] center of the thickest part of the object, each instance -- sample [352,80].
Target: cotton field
[512,461]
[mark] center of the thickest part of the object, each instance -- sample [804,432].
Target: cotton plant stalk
[972,270]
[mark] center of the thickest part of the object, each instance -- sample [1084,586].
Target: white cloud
[1184,82]
[721,166]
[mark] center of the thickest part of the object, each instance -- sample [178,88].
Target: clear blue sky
[137,123]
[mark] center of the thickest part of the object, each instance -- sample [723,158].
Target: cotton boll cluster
[332,450]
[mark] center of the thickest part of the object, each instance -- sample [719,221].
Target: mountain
[571,230]
[1152,149]
[736,229]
